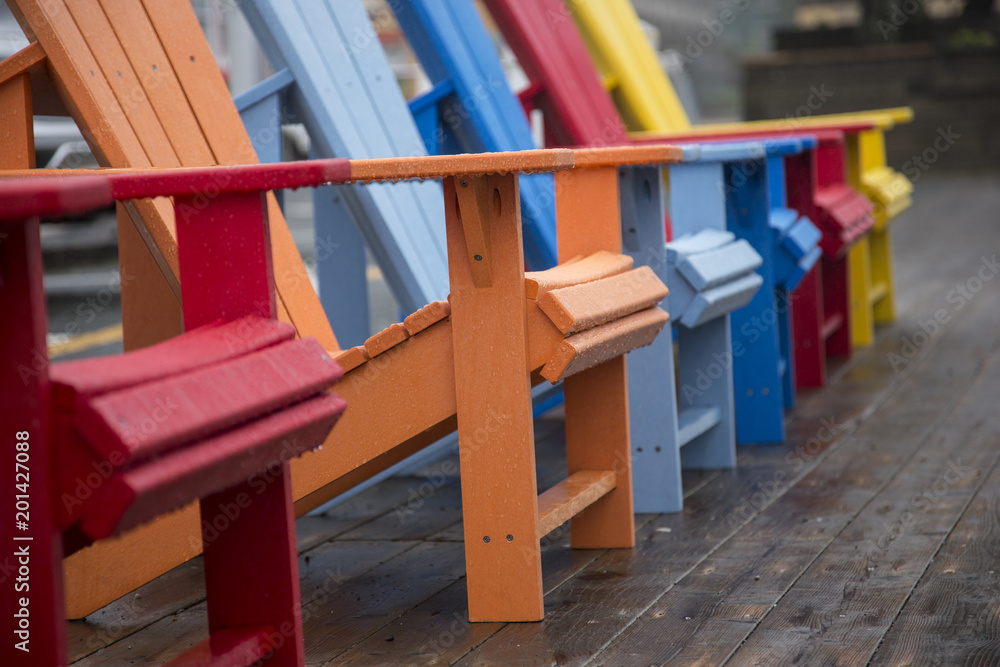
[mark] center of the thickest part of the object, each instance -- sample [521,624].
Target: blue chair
[763,372]
[709,273]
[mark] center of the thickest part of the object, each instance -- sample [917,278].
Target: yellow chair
[650,107]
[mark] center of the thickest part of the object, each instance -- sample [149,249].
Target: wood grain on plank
[950,617]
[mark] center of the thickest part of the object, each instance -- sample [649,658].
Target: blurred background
[728,59]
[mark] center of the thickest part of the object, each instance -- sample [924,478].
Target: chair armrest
[883,119]
[466,164]
[628,156]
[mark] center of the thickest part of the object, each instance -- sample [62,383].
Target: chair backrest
[145,90]
[631,69]
[565,85]
[471,107]
[345,92]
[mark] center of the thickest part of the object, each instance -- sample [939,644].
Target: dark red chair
[99,446]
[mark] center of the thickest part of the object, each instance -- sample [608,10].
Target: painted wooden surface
[823,310]
[582,307]
[554,58]
[471,108]
[25,415]
[596,266]
[597,401]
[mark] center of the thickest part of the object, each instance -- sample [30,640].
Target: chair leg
[705,352]
[836,302]
[883,273]
[786,335]
[653,399]
[493,397]
[862,321]
[597,438]
[31,605]
[251,563]
[807,321]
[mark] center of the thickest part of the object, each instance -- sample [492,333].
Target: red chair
[99,446]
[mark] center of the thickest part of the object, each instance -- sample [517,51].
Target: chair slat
[138,422]
[208,345]
[140,494]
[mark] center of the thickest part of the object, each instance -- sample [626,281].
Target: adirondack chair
[417,372]
[555,59]
[648,104]
[427,25]
[573,323]
[709,274]
[214,414]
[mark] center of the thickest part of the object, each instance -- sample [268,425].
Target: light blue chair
[347,97]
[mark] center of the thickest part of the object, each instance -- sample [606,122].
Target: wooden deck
[871,537]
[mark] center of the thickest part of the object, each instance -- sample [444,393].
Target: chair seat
[579,314]
[189,417]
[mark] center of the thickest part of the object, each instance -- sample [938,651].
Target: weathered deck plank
[950,619]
